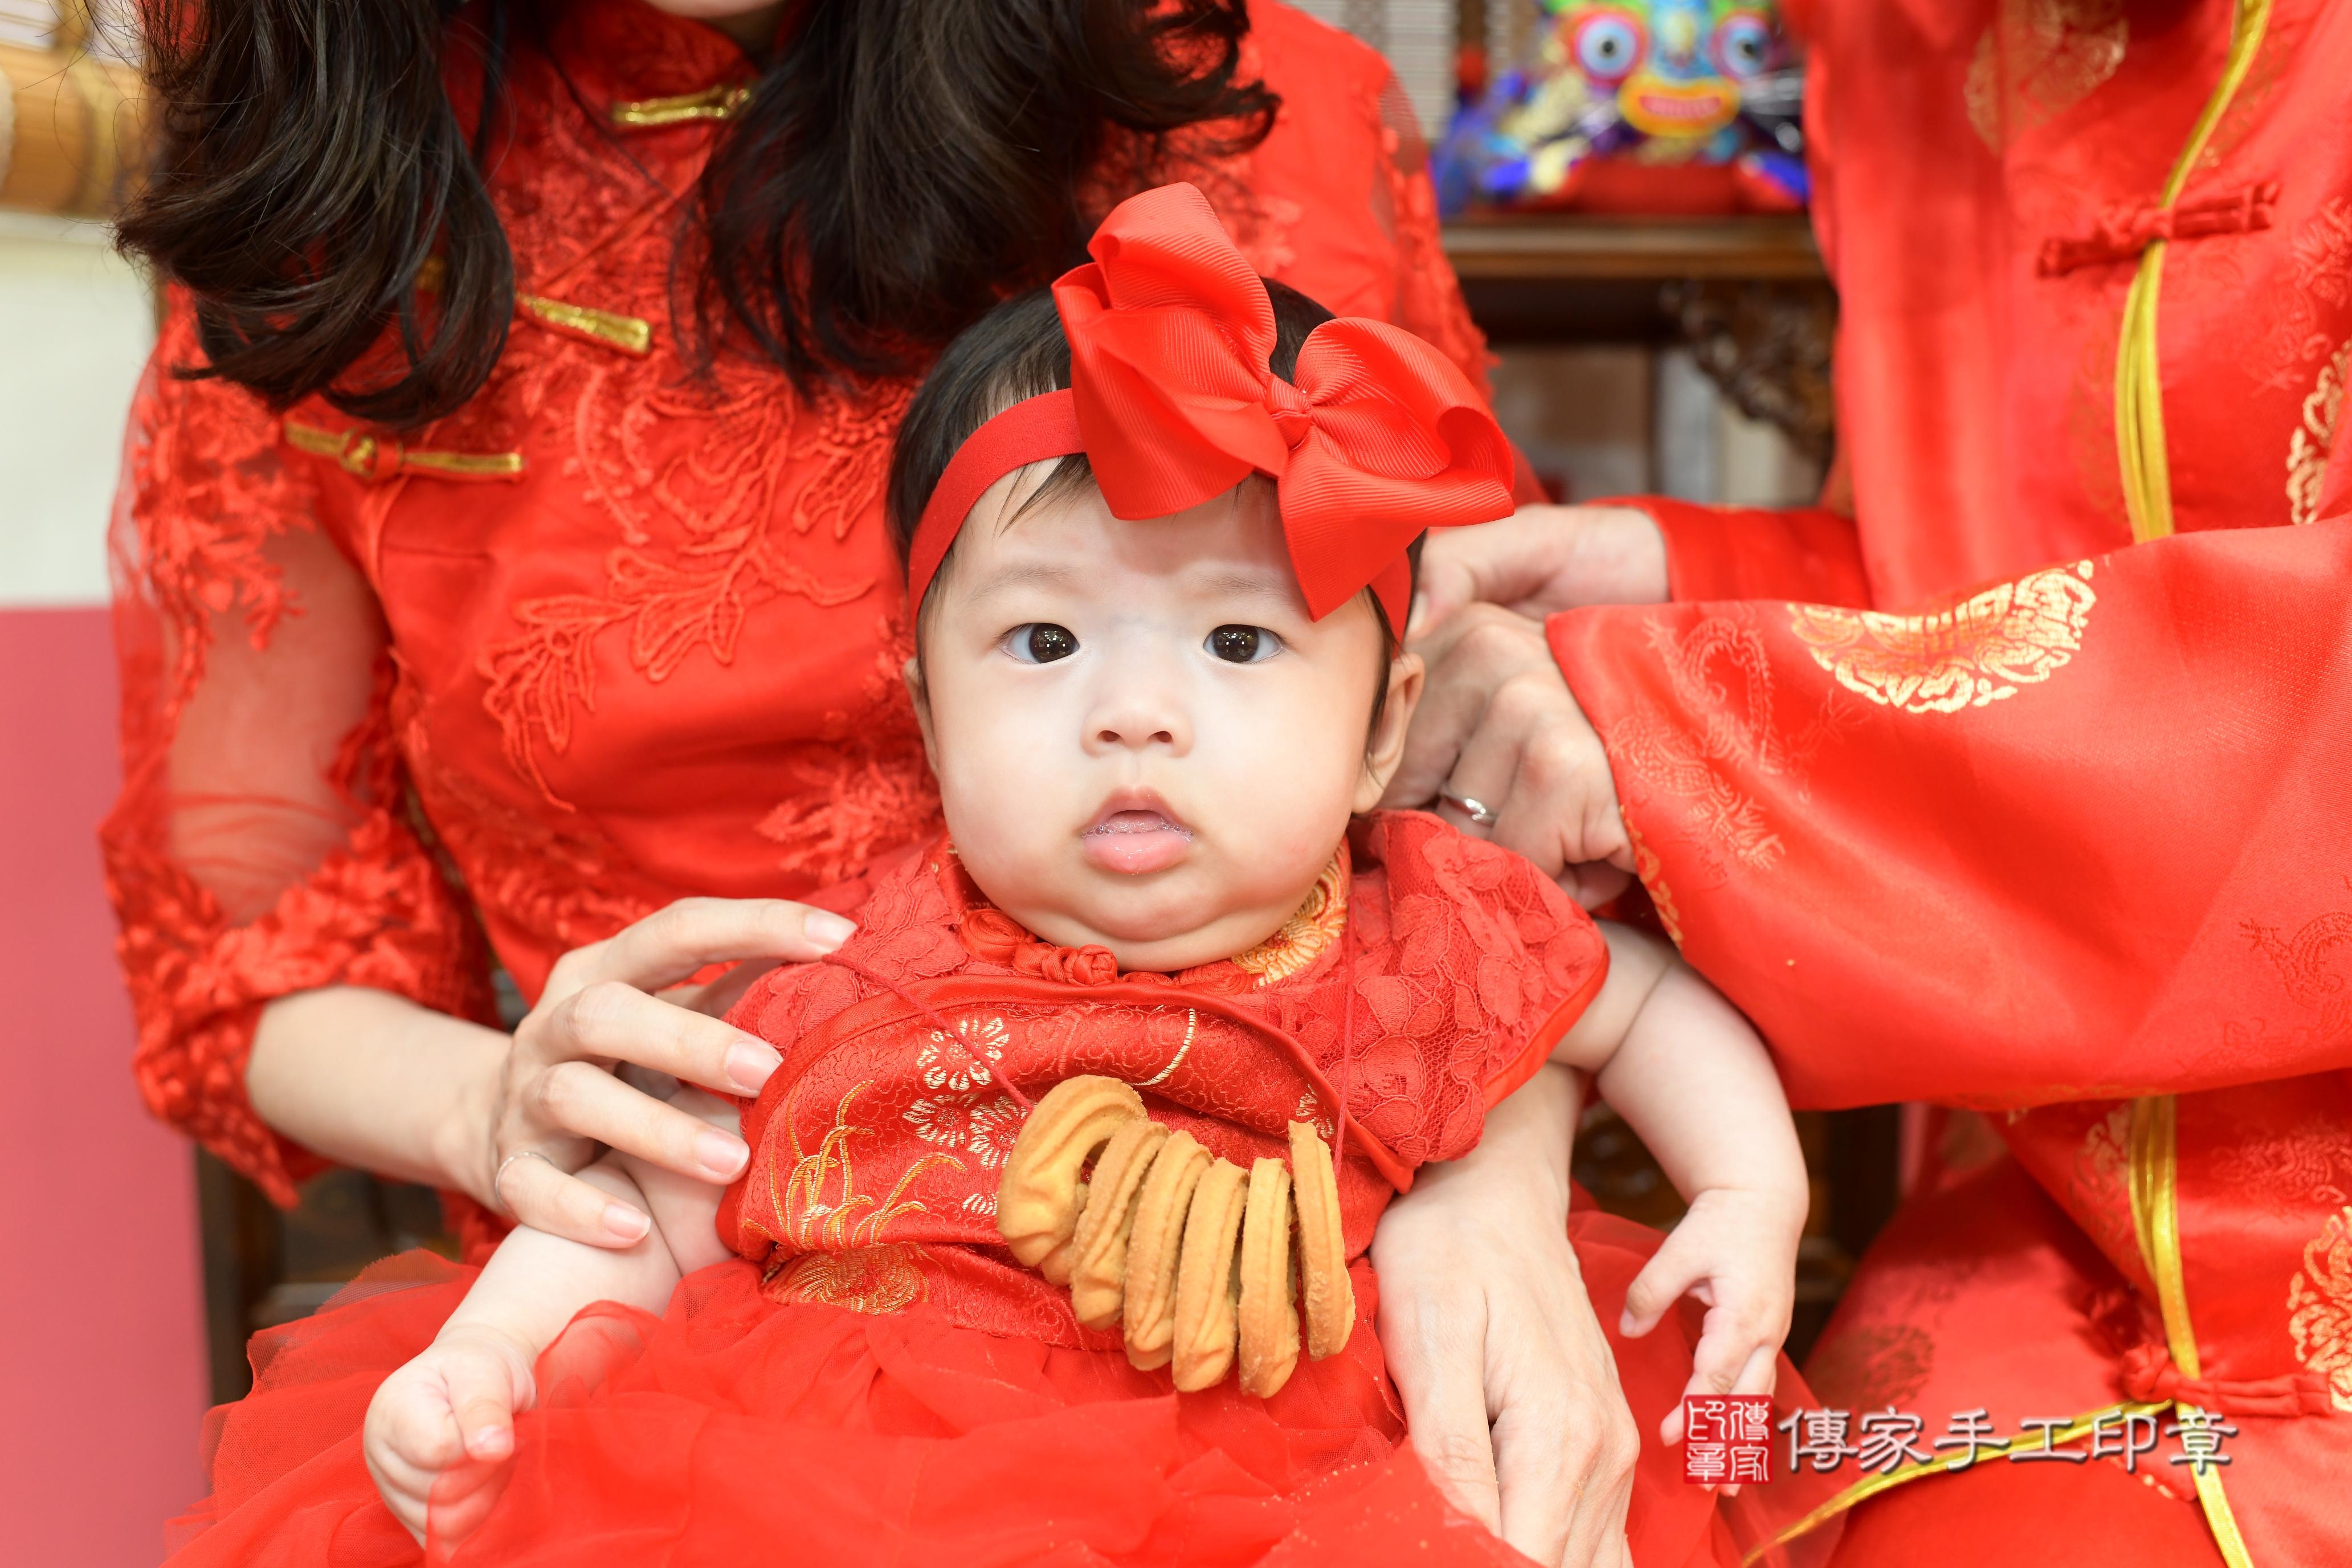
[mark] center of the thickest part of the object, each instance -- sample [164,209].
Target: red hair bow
[1378,438]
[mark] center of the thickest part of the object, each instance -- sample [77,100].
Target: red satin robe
[606,636]
[2057,827]
[874,1380]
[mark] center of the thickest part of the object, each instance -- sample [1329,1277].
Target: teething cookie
[1098,1246]
[1267,1321]
[1038,1202]
[1154,1248]
[1204,1342]
[1330,1298]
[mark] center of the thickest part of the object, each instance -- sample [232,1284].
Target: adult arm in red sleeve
[2076,836]
[260,846]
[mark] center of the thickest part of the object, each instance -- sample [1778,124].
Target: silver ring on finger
[1477,811]
[498,1181]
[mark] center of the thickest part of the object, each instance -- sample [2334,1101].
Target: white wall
[75,323]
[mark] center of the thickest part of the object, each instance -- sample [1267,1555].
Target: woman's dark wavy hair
[900,166]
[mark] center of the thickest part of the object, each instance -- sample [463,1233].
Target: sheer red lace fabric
[383,722]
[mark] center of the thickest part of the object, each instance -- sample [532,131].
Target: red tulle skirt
[734,1430]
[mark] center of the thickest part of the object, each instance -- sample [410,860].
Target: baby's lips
[1134,843]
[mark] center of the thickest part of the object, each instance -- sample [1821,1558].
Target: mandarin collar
[622,50]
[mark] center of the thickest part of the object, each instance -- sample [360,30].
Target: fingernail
[827,929]
[626,1223]
[721,1155]
[488,1443]
[749,1063]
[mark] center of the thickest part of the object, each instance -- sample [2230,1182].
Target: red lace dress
[874,1380]
[606,636]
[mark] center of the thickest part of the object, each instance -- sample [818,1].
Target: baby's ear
[1384,751]
[920,695]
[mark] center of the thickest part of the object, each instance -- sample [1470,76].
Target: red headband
[1378,438]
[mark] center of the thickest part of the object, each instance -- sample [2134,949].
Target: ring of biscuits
[1200,1263]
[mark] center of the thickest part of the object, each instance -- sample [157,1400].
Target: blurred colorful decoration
[1636,106]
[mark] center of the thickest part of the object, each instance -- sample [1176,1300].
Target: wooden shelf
[1583,250]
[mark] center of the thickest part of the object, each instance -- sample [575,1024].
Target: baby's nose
[1138,711]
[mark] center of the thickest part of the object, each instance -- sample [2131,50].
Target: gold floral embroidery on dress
[2319,1307]
[2038,58]
[958,1112]
[819,1202]
[1307,933]
[876,1280]
[2307,451]
[1978,651]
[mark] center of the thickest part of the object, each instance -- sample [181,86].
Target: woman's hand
[1510,1390]
[1497,727]
[1500,742]
[556,1096]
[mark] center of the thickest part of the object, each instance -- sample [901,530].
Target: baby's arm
[1689,1075]
[445,1420]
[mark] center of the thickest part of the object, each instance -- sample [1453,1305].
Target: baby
[1159,743]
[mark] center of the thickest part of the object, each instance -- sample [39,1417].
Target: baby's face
[1141,739]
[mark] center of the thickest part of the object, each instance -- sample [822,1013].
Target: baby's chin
[1159,929]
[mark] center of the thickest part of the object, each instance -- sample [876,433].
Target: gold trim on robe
[2139,389]
[2156,1218]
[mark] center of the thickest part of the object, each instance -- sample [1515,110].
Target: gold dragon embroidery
[1978,651]
[2310,967]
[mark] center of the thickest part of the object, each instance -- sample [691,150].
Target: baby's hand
[1736,1252]
[442,1427]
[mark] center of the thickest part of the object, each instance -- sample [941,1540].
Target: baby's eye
[1040,642]
[1243,645]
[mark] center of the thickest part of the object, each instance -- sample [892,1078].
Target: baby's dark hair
[1017,352]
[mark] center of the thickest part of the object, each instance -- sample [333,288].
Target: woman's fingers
[670,944]
[1436,1353]
[589,1102]
[1538,766]
[612,1021]
[1603,1447]
[1546,557]
[541,1196]
[1537,1462]
[1467,656]
[1497,725]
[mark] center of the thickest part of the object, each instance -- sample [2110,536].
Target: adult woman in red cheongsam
[502,568]
[2055,829]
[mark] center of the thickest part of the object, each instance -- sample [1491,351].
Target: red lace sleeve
[261,844]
